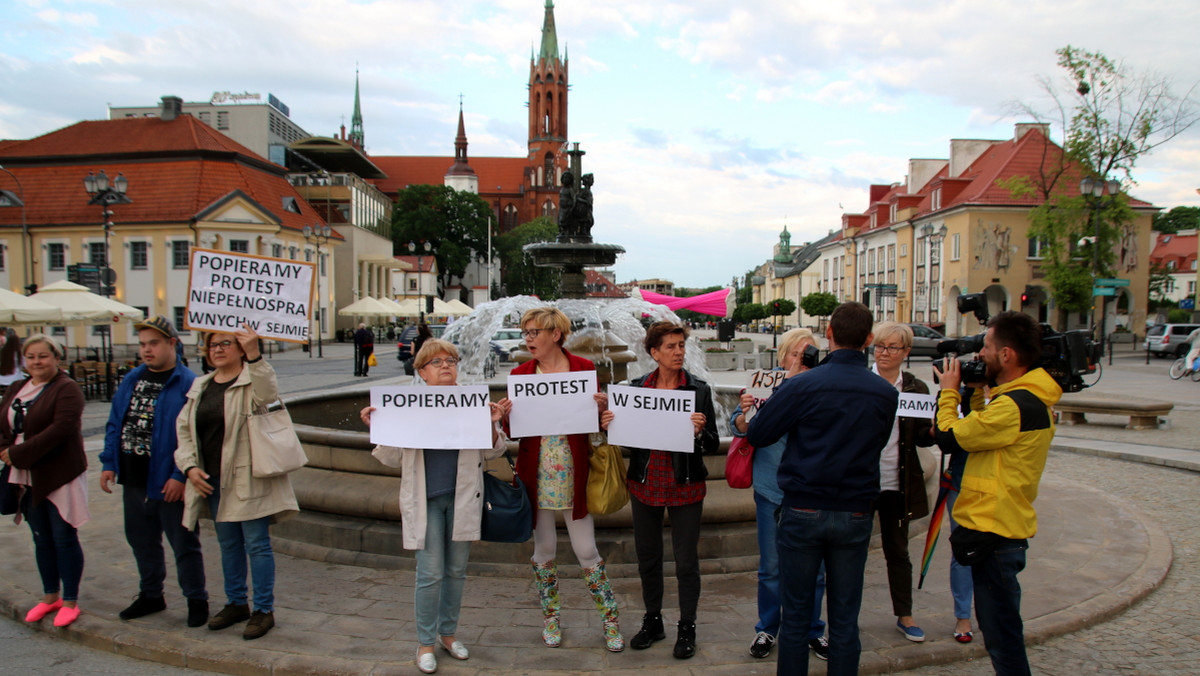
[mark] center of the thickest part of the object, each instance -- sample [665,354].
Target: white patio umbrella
[81,306]
[367,307]
[409,307]
[18,309]
[459,308]
[397,309]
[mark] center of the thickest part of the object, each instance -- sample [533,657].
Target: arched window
[509,220]
[549,209]
[548,172]
[546,114]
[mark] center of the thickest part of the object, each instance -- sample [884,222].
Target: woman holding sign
[214,454]
[901,478]
[662,481]
[555,472]
[440,507]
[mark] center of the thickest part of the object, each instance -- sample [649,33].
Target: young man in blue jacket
[139,454]
[837,417]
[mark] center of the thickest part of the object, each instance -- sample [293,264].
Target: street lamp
[318,236]
[8,199]
[106,194]
[420,248]
[1093,190]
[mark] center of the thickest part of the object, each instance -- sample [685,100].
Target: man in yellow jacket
[1006,441]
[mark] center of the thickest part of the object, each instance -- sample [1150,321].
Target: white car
[508,340]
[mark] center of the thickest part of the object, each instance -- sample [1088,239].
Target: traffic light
[775,306]
[1027,297]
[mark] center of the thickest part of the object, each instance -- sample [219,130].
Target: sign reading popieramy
[423,416]
[659,420]
[272,295]
[553,403]
[761,385]
[917,405]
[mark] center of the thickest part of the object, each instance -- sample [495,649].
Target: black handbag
[507,514]
[10,495]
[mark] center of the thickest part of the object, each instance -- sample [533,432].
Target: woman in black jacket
[672,483]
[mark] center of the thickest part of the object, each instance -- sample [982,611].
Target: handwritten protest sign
[761,385]
[272,295]
[917,405]
[416,416]
[553,403]
[659,420]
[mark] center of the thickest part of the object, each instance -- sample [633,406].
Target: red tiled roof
[607,289]
[496,174]
[427,262]
[126,136]
[1178,248]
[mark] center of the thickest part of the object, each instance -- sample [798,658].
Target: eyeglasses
[530,334]
[890,349]
[222,344]
[439,362]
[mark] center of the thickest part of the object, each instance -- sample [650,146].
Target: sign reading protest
[659,420]
[227,290]
[917,405]
[422,416]
[762,384]
[553,403]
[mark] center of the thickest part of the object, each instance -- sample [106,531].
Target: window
[2,257]
[308,255]
[1035,247]
[891,257]
[206,117]
[180,249]
[921,254]
[97,254]
[412,284]
[138,260]
[178,312]
[549,171]
[324,258]
[935,199]
[57,255]
[954,246]
[239,245]
[145,312]
[292,252]
[892,212]
[903,250]
[1191,287]
[222,119]
[277,250]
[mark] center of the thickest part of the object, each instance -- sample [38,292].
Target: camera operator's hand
[951,374]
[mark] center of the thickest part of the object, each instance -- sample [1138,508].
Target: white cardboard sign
[553,403]
[914,405]
[649,418]
[760,386]
[424,416]
[227,290]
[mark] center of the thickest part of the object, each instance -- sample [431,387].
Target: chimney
[172,107]
[1023,127]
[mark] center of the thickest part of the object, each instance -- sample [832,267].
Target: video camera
[1066,356]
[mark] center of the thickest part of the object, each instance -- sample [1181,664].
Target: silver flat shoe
[457,650]
[427,663]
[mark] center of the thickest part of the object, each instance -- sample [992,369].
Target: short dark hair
[851,324]
[659,331]
[1020,333]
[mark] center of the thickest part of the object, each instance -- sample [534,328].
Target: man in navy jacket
[838,417]
[139,454]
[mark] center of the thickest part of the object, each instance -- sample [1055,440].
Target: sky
[709,124]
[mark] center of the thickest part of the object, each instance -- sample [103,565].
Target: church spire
[549,35]
[356,122]
[461,176]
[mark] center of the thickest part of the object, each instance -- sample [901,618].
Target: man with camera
[837,418]
[1006,441]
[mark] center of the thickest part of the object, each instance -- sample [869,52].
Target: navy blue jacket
[163,439]
[837,418]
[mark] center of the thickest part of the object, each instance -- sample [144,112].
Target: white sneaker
[427,663]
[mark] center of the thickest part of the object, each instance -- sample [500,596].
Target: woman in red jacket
[554,470]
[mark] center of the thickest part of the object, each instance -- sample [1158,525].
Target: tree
[749,312]
[1178,218]
[454,223]
[819,304]
[521,276]
[1160,280]
[782,307]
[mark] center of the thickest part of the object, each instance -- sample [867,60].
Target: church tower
[356,122]
[461,176]
[548,85]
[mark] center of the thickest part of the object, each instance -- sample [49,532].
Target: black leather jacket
[689,467]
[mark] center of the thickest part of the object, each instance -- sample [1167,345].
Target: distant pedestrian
[10,358]
[364,347]
[139,453]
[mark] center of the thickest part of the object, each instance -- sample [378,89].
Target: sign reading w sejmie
[228,290]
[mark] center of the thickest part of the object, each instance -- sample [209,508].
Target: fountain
[349,502]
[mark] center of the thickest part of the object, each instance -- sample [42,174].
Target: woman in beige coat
[214,443]
[440,507]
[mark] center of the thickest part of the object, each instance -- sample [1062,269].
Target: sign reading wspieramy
[272,295]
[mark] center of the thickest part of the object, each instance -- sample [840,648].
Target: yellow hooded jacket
[1007,442]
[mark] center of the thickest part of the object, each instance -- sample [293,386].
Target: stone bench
[1142,415]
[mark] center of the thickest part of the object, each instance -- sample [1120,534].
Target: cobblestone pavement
[1160,635]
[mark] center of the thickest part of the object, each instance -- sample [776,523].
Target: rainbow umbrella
[935,523]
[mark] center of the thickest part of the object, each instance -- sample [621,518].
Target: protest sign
[227,290]
[761,385]
[553,403]
[659,420]
[423,416]
[916,405]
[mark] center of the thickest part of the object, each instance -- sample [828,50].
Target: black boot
[685,645]
[651,631]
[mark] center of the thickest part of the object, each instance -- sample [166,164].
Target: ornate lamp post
[420,248]
[318,235]
[106,194]
[8,199]
[1093,191]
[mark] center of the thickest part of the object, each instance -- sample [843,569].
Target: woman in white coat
[440,507]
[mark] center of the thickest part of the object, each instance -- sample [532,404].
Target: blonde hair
[55,349]
[430,349]
[885,330]
[792,338]
[548,318]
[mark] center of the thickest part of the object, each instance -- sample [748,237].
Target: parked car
[507,340]
[1169,340]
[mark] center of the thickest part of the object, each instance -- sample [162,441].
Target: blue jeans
[55,548]
[441,573]
[146,521]
[240,540]
[769,605]
[998,607]
[961,587]
[808,537]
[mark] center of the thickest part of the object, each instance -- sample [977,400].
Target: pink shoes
[41,610]
[66,616]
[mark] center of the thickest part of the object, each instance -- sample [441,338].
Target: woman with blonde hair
[440,507]
[555,472]
[42,443]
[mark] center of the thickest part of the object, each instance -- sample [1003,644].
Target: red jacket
[530,449]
